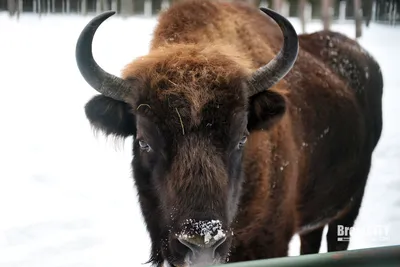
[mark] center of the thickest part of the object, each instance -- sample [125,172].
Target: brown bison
[244,133]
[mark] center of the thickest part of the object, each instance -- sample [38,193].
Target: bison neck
[269,193]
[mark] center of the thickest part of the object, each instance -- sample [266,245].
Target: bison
[244,133]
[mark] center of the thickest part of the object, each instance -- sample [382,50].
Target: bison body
[232,157]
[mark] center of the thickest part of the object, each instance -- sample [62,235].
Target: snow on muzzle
[203,238]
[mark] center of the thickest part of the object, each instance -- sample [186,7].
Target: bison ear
[110,116]
[265,109]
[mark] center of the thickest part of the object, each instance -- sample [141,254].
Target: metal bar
[370,257]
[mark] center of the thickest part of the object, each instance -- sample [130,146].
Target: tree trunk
[39,7]
[367,7]
[126,7]
[165,4]
[84,7]
[358,17]
[20,7]
[326,14]
[277,5]
[12,6]
[302,7]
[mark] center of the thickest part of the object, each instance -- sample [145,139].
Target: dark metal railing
[370,257]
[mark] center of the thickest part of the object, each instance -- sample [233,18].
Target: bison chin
[197,243]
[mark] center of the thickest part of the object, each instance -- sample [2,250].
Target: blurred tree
[127,7]
[301,9]
[84,7]
[156,6]
[367,6]
[138,6]
[102,5]
[358,17]
[13,7]
[277,5]
[326,13]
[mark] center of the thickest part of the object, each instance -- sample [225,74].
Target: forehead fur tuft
[221,60]
[197,73]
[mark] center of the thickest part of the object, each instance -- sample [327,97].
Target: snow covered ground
[67,197]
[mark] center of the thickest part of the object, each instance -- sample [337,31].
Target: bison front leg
[348,218]
[311,241]
[334,244]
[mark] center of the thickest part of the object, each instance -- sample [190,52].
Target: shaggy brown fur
[191,71]
[310,137]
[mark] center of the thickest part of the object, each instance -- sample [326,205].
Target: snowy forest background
[66,196]
[377,10]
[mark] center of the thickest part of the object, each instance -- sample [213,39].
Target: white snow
[67,197]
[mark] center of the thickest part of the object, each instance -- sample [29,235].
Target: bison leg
[348,218]
[311,241]
[347,221]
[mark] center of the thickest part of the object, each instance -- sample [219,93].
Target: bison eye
[242,142]
[144,146]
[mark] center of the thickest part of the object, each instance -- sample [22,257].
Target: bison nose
[202,246]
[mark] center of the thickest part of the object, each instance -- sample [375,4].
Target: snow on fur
[208,230]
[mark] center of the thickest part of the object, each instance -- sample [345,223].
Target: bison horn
[268,75]
[103,82]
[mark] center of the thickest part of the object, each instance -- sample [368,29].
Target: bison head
[190,109]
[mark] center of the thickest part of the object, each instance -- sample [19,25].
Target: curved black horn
[268,75]
[105,83]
